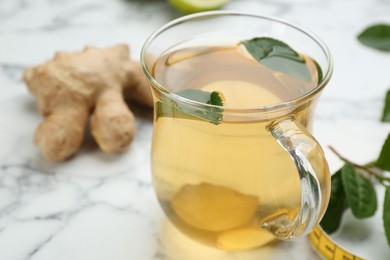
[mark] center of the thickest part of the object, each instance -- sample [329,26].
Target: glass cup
[255,175]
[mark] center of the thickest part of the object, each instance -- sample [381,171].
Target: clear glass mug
[258,174]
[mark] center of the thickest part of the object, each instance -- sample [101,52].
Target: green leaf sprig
[337,204]
[386,214]
[171,108]
[279,56]
[386,109]
[352,187]
[359,192]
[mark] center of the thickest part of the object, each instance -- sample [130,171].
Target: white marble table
[98,206]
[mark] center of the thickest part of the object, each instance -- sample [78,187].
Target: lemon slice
[213,208]
[194,6]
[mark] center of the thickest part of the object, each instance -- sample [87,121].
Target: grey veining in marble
[100,206]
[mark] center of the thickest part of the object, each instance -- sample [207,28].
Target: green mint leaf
[215,99]
[386,110]
[336,207]
[386,214]
[359,191]
[196,95]
[279,56]
[383,161]
[170,108]
[376,36]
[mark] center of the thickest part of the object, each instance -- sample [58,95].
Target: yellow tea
[222,183]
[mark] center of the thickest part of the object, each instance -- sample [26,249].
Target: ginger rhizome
[72,85]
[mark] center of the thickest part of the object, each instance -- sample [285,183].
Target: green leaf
[170,108]
[386,110]
[336,207]
[383,161]
[386,214]
[215,99]
[359,191]
[279,56]
[196,95]
[376,36]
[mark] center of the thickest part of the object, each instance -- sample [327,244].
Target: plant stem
[368,168]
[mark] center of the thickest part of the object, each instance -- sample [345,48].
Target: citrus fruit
[194,6]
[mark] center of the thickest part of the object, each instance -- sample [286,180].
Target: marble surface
[99,206]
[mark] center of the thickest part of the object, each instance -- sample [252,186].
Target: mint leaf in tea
[201,96]
[170,108]
[279,56]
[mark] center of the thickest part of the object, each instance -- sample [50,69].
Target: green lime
[194,6]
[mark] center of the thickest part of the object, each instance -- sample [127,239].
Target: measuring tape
[328,248]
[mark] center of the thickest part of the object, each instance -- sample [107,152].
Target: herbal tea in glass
[224,118]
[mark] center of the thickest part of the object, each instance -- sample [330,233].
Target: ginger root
[71,85]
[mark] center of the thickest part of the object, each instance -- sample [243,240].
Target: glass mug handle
[301,146]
